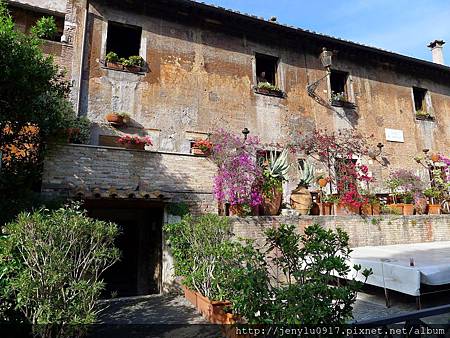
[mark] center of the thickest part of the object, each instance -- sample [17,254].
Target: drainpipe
[82,59]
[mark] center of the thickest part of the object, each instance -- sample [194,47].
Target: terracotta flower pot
[133,69]
[326,208]
[397,208]
[366,209]
[345,210]
[115,119]
[434,209]
[376,209]
[301,200]
[237,210]
[114,65]
[408,209]
[271,205]
[198,151]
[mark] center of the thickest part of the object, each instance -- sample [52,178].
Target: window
[124,40]
[419,99]
[338,83]
[266,69]
[25,19]
[422,109]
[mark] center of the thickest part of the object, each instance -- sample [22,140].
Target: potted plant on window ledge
[112,61]
[424,115]
[202,148]
[133,64]
[135,142]
[340,100]
[118,118]
[267,88]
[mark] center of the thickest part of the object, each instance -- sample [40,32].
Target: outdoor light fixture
[245,132]
[326,57]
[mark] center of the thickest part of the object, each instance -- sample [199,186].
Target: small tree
[51,264]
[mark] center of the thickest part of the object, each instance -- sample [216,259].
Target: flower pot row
[409,209]
[340,209]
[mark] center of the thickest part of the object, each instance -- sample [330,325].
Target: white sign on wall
[394,135]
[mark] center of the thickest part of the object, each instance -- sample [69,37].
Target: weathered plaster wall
[200,80]
[49,5]
[69,168]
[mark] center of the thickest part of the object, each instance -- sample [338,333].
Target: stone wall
[181,177]
[370,231]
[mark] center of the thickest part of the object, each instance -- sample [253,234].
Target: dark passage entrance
[140,242]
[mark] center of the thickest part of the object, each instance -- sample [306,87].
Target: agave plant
[307,174]
[278,166]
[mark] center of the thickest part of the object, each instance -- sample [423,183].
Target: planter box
[326,208]
[345,210]
[408,209]
[212,311]
[199,152]
[114,66]
[270,92]
[434,209]
[370,210]
[398,208]
[344,104]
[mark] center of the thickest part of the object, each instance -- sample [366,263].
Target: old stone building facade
[201,73]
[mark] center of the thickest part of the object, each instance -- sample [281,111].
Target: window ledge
[270,92]
[120,68]
[425,118]
[343,104]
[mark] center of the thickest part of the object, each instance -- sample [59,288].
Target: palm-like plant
[278,166]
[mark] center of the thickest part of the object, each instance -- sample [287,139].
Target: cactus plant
[278,167]
[307,174]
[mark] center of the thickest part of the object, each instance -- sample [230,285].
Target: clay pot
[322,182]
[345,210]
[398,208]
[366,209]
[114,118]
[408,209]
[301,200]
[236,210]
[114,65]
[326,208]
[376,209]
[434,209]
[271,205]
[435,157]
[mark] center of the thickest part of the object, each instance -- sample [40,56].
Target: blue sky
[403,26]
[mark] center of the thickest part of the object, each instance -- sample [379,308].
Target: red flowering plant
[128,139]
[204,145]
[239,177]
[339,152]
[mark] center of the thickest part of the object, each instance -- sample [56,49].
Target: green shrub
[51,263]
[293,284]
[45,28]
[203,252]
[112,57]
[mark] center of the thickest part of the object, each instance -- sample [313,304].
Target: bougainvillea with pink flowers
[239,177]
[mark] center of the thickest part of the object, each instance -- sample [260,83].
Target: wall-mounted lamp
[375,153]
[326,57]
[245,132]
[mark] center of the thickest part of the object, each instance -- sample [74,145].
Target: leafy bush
[51,263]
[112,57]
[292,282]
[203,252]
[45,28]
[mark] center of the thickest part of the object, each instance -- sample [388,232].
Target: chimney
[437,51]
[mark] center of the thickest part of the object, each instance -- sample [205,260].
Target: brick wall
[372,231]
[181,177]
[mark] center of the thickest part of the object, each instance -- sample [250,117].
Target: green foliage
[203,251]
[268,86]
[178,209]
[276,169]
[45,28]
[51,263]
[137,61]
[79,130]
[300,290]
[33,94]
[112,57]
